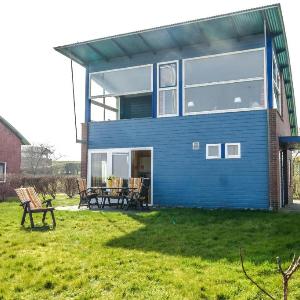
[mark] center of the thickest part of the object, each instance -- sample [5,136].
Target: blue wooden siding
[183,177]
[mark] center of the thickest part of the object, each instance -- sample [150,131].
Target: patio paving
[292,207]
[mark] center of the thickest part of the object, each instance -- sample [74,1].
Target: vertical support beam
[154,92]
[269,67]
[84,128]
[180,87]
[87,96]
[285,178]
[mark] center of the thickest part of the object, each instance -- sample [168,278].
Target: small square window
[2,171]
[168,75]
[233,150]
[213,151]
[196,145]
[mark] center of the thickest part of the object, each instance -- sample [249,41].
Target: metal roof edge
[290,69]
[23,140]
[277,5]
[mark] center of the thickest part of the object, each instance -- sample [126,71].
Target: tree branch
[256,284]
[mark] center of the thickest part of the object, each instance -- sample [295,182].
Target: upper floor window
[229,81]
[2,171]
[167,92]
[121,93]
[133,80]
[276,85]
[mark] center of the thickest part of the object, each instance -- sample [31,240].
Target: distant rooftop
[14,130]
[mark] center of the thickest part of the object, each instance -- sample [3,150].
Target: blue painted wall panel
[183,177]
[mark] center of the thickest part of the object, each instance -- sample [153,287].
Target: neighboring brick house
[10,149]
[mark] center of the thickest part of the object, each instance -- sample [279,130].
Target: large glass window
[122,81]
[167,89]
[120,165]
[276,85]
[98,168]
[224,82]
[2,171]
[109,89]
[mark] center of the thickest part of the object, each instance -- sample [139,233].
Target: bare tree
[286,275]
[37,159]
[252,280]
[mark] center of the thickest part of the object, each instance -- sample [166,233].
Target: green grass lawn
[165,254]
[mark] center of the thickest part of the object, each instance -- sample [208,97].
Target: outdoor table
[105,189]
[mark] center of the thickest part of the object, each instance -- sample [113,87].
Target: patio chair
[137,198]
[32,204]
[134,186]
[86,194]
[116,192]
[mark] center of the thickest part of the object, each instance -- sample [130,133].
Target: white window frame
[276,87]
[167,88]
[213,156]
[123,94]
[109,153]
[232,156]
[5,164]
[184,86]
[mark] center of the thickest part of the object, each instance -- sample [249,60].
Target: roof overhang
[201,31]
[290,142]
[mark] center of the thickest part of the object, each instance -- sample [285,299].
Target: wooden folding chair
[140,196]
[32,204]
[116,192]
[86,194]
[134,186]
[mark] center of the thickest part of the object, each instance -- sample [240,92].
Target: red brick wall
[278,126]
[10,150]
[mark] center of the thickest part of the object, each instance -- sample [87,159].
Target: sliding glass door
[98,169]
[120,164]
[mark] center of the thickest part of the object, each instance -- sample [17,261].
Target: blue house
[204,108]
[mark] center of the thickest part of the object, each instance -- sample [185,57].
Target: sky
[35,80]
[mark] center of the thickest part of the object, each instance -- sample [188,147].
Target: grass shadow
[40,228]
[214,234]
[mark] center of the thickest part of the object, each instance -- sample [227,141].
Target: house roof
[180,35]
[15,131]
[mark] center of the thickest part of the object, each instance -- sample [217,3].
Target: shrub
[70,186]
[44,185]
